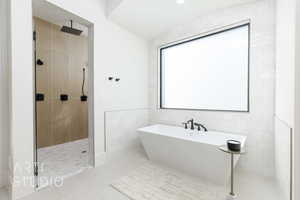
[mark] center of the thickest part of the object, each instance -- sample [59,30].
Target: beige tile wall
[64,57]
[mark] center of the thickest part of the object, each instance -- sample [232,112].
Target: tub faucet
[201,126]
[192,123]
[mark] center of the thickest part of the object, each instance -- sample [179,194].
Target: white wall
[297,107]
[116,52]
[285,91]
[4,93]
[285,60]
[21,96]
[283,157]
[111,5]
[121,129]
[258,125]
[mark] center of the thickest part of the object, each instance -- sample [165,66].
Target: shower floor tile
[62,161]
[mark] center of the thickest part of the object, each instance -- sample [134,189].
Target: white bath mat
[153,182]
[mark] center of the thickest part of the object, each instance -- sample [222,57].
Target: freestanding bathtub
[193,152]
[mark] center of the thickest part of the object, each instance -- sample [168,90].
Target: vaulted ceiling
[149,18]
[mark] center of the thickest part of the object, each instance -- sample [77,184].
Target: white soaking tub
[192,152]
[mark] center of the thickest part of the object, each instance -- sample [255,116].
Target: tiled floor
[62,160]
[94,184]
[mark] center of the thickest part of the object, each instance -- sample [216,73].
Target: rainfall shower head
[71,30]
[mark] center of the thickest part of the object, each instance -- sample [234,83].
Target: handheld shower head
[83,97]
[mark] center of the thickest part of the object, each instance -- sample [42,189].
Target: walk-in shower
[62,86]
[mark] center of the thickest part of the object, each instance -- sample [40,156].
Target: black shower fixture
[39,97]
[39,62]
[113,78]
[64,97]
[71,30]
[83,97]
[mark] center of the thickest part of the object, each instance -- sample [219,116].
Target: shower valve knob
[64,97]
[40,97]
[83,98]
[39,62]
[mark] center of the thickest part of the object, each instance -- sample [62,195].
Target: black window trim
[248,24]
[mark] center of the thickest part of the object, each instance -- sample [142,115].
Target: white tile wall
[121,126]
[4,95]
[258,125]
[286,85]
[282,156]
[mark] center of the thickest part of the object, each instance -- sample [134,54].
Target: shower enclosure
[62,85]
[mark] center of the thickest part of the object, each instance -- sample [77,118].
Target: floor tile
[94,184]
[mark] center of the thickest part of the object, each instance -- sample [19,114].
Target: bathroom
[125,61]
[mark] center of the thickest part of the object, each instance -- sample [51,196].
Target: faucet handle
[201,126]
[198,126]
[185,125]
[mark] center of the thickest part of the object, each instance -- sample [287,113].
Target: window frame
[197,37]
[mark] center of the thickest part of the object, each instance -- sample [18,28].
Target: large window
[208,72]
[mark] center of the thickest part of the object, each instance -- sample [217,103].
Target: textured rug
[153,182]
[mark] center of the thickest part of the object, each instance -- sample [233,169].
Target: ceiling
[149,18]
